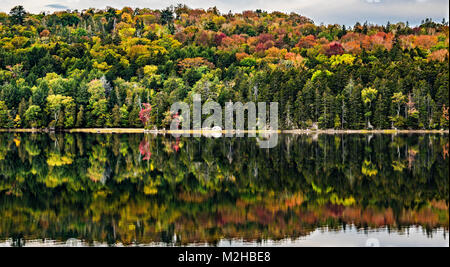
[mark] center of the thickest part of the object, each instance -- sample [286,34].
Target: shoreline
[163,132]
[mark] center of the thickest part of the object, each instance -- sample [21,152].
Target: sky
[345,12]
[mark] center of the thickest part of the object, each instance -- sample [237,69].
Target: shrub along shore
[163,131]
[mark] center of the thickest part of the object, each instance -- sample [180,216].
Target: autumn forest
[101,68]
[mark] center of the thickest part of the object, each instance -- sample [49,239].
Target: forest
[125,67]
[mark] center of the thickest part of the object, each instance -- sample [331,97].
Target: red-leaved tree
[334,48]
[144,114]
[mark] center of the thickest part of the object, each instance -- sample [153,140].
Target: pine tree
[380,118]
[299,111]
[23,106]
[355,113]
[133,118]
[80,118]
[17,15]
[116,116]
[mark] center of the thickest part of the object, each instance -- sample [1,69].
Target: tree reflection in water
[143,189]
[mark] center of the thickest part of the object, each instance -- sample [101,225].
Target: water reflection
[142,189]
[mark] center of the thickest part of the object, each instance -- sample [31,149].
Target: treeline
[96,68]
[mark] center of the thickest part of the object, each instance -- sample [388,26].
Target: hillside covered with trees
[97,68]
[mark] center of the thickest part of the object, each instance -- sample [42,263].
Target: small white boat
[217,132]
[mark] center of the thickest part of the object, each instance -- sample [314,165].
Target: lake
[310,190]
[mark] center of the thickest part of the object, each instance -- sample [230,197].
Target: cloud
[350,11]
[57,6]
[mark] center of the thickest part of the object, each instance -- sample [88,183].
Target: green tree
[17,15]
[98,104]
[124,116]
[368,95]
[33,116]
[23,106]
[69,112]
[80,117]
[56,105]
[5,118]
[116,116]
[399,99]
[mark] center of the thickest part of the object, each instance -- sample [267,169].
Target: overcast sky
[345,12]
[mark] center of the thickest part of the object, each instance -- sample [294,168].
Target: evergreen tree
[80,118]
[17,15]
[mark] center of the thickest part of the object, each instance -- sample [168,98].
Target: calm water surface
[135,189]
